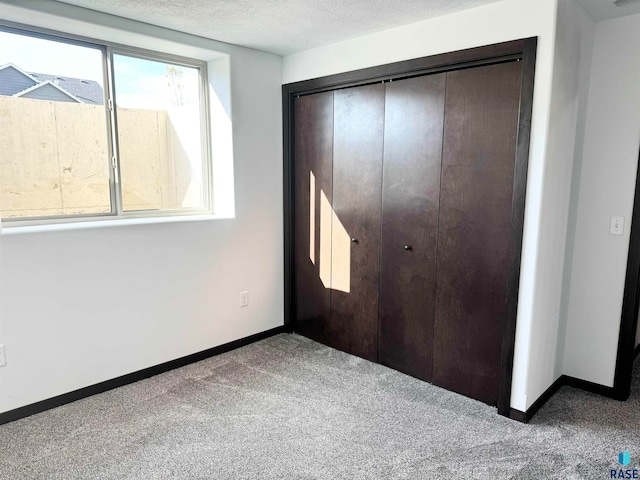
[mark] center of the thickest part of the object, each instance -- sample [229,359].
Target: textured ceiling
[279,26]
[605,9]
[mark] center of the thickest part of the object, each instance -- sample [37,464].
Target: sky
[44,56]
[144,83]
[139,83]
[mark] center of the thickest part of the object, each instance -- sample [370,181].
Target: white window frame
[109,49]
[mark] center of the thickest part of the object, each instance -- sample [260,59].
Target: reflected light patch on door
[312,217]
[325,240]
[341,258]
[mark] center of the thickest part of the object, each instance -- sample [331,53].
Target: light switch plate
[244,299]
[3,356]
[616,225]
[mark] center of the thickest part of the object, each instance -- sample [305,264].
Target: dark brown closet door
[313,190]
[357,184]
[414,114]
[474,223]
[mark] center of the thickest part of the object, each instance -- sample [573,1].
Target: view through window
[70,150]
[159,136]
[54,156]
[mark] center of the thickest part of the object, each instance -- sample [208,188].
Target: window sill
[56,227]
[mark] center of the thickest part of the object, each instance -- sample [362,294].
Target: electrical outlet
[244,299]
[3,356]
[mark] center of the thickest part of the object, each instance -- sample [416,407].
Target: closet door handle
[354,240]
[408,247]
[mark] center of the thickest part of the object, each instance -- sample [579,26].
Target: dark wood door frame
[523,50]
[630,304]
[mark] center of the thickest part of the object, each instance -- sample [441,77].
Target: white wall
[538,309]
[498,22]
[1,336]
[571,69]
[81,306]
[585,28]
[607,184]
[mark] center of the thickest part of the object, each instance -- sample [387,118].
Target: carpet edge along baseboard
[562,380]
[59,400]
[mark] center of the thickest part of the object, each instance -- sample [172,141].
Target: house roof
[87,91]
[81,90]
[9,88]
[42,84]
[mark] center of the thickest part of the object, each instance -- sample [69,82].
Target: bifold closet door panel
[313,192]
[414,115]
[480,130]
[357,184]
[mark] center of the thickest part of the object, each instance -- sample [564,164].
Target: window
[92,131]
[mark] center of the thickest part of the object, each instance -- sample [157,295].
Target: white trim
[112,222]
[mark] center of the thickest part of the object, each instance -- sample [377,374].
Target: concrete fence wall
[57,163]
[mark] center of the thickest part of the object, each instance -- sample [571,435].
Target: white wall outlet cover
[616,225]
[244,299]
[3,356]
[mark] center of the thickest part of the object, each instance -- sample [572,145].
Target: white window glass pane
[54,156]
[159,134]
